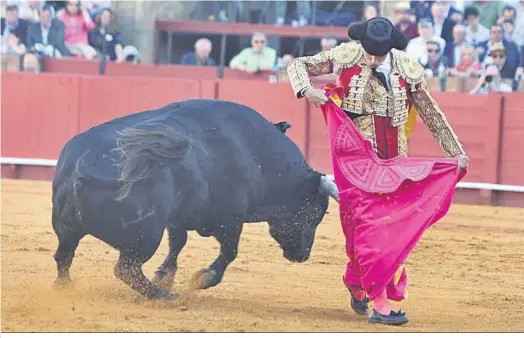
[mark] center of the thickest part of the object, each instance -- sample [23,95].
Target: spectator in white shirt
[475,32]
[417,47]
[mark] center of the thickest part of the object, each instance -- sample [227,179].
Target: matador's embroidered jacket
[381,116]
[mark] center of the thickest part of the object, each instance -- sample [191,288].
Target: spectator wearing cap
[417,47]
[259,57]
[12,23]
[77,23]
[105,37]
[489,11]
[511,50]
[475,31]
[452,50]
[201,55]
[499,57]
[46,36]
[403,22]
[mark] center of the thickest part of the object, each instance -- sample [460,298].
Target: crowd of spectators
[465,39]
[58,29]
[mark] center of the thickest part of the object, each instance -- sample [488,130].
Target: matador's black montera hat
[377,36]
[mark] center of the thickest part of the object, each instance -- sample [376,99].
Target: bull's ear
[282,126]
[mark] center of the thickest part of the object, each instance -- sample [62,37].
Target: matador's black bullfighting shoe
[394,318]
[359,306]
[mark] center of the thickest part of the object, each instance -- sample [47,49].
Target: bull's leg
[228,236]
[165,274]
[67,244]
[129,270]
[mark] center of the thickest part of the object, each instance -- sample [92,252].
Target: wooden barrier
[41,112]
[476,121]
[103,99]
[511,161]
[86,67]
[10,63]
[271,100]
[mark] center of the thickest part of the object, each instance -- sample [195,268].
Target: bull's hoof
[164,296]
[164,279]
[62,283]
[203,279]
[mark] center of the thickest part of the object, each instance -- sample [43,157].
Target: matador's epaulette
[346,55]
[409,68]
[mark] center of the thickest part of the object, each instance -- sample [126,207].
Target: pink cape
[385,205]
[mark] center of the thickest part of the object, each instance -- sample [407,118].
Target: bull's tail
[145,149]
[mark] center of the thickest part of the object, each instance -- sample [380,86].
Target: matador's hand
[463,161]
[316,97]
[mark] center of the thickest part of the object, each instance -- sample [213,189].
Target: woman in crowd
[77,24]
[105,38]
[469,65]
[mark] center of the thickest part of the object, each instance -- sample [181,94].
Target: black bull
[203,165]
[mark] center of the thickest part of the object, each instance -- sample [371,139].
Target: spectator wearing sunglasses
[434,61]
[511,50]
[257,58]
[417,47]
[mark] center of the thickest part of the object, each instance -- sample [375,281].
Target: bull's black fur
[204,165]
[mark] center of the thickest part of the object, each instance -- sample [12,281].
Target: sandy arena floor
[463,277]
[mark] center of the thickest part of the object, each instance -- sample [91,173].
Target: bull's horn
[329,186]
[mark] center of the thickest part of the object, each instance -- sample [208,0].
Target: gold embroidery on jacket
[346,55]
[366,125]
[398,103]
[402,140]
[356,87]
[300,69]
[436,121]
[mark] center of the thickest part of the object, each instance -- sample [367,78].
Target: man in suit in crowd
[47,36]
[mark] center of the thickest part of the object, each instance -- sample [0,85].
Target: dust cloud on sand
[465,275]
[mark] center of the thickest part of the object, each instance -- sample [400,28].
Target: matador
[382,89]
